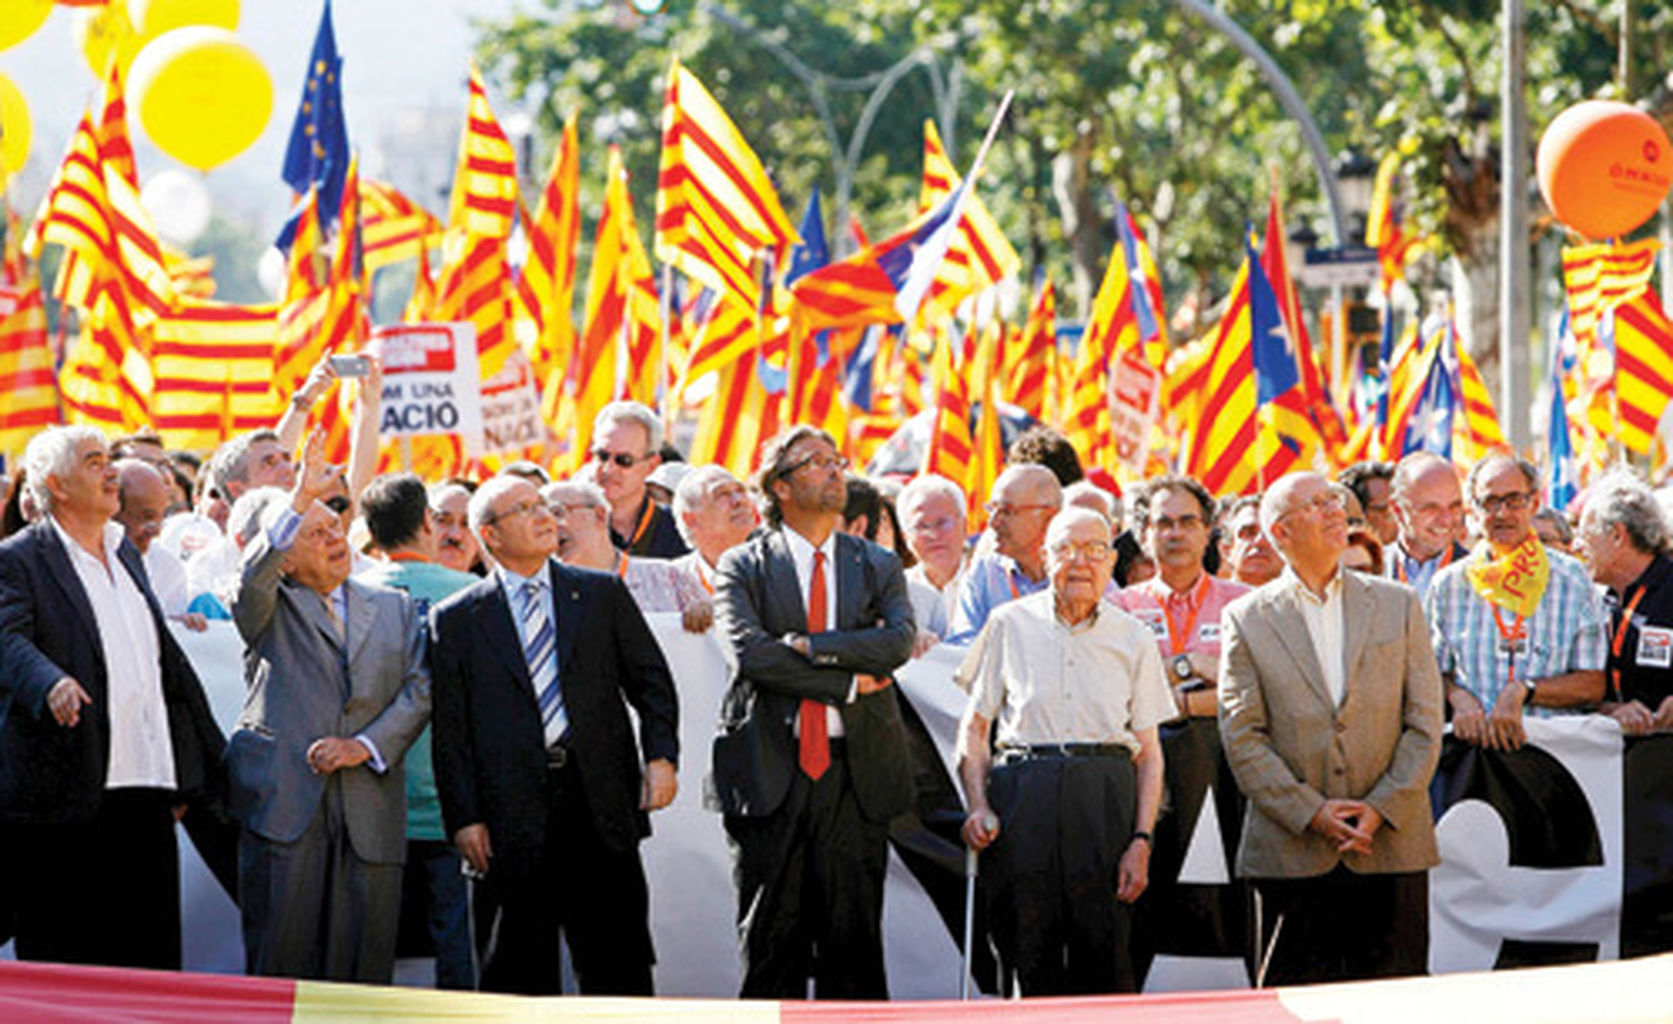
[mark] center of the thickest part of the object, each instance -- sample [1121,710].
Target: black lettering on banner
[1547,817]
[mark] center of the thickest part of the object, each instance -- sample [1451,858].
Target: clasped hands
[1350,824]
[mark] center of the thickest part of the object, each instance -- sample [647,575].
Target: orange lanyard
[1620,639]
[1179,638]
[1511,636]
[621,565]
[644,521]
[1400,564]
[703,575]
[1012,582]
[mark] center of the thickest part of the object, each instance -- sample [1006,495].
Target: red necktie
[815,752]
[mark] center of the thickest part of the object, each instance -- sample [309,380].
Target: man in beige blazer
[1330,711]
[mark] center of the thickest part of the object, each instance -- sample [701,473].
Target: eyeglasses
[1515,501]
[1087,551]
[622,459]
[1188,521]
[522,508]
[824,463]
[337,503]
[996,509]
[937,525]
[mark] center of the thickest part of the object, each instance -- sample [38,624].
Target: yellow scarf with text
[1514,580]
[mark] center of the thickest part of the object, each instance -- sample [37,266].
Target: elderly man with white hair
[1624,538]
[1330,715]
[626,449]
[933,520]
[1070,690]
[106,733]
[714,513]
[583,538]
[1024,499]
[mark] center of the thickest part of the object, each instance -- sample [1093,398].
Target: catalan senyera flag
[739,416]
[1643,337]
[987,459]
[1419,360]
[1481,432]
[1598,277]
[393,227]
[1385,229]
[1144,286]
[28,385]
[546,286]
[950,446]
[716,209]
[979,255]
[214,373]
[1112,329]
[1327,421]
[1288,436]
[1028,365]
[484,199]
[321,307]
[622,320]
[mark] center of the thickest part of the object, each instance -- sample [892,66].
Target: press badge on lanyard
[1655,647]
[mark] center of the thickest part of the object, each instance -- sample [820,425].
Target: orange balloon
[1604,167]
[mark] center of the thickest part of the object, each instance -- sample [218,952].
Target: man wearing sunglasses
[1515,625]
[627,445]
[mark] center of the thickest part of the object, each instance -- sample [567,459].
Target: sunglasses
[622,459]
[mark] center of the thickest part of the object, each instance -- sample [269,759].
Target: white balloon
[179,205]
[270,271]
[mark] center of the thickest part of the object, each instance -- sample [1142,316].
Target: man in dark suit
[105,732]
[336,692]
[810,760]
[541,783]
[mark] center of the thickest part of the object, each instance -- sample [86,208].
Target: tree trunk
[1471,180]
[1071,186]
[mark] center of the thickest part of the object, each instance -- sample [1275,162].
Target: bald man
[144,495]
[1024,499]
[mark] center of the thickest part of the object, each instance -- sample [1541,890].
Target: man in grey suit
[1330,710]
[337,691]
[810,760]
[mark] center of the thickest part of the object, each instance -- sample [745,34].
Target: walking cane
[989,823]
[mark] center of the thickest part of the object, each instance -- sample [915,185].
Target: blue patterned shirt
[1568,632]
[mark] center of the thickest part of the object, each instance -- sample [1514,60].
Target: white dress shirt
[801,553]
[1323,615]
[140,751]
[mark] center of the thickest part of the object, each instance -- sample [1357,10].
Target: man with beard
[810,760]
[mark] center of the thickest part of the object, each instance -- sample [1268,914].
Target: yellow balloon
[104,33]
[20,18]
[15,129]
[202,96]
[154,17]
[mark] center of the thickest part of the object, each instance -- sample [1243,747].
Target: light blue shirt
[990,581]
[1568,632]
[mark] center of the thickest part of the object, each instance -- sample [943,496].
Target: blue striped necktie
[540,649]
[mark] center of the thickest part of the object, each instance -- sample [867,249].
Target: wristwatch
[1182,669]
[1532,688]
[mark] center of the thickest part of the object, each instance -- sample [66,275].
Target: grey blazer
[303,683]
[1291,748]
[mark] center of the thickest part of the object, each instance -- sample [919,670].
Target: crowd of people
[456,719]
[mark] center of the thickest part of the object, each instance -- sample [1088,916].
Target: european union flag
[318,155]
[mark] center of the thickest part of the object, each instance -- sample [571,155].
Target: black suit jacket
[489,747]
[758,601]
[50,774]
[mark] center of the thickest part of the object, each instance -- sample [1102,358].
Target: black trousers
[1050,878]
[810,892]
[104,892]
[572,886]
[1343,926]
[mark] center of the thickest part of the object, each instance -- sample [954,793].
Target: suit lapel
[1292,633]
[493,615]
[1357,602]
[314,608]
[850,556]
[566,605]
[784,589]
[361,617]
[64,574]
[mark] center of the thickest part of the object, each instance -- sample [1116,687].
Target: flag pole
[665,302]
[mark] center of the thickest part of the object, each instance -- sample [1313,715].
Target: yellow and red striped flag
[950,447]
[546,286]
[1321,408]
[393,227]
[716,209]
[1029,365]
[1643,368]
[737,418]
[484,199]
[622,315]
[1479,431]
[28,386]
[1226,429]
[988,446]
[979,255]
[214,373]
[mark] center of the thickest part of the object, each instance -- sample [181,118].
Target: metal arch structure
[1289,99]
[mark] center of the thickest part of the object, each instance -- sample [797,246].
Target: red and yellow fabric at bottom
[1618,991]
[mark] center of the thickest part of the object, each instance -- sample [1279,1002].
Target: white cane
[990,821]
